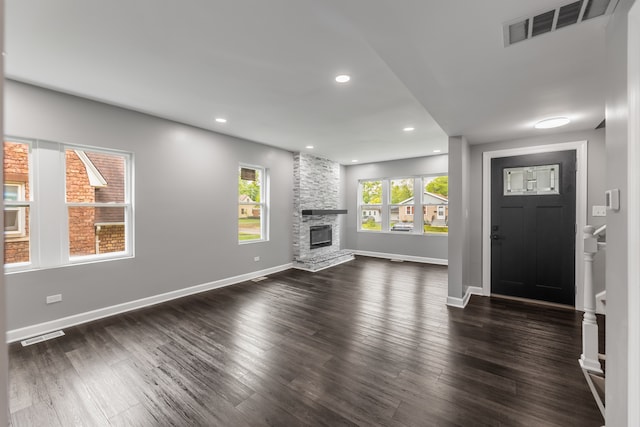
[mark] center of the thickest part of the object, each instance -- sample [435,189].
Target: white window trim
[264,204]
[57,208]
[19,207]
[385,207]
[96,178]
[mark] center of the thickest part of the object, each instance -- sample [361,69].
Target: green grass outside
[440,230]
[245,236]
[248,229]
[373,226]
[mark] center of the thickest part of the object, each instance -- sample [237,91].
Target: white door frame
[633,217]
[581,207]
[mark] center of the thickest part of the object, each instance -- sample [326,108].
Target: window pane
[16,189]
[436,218]
[249,222]
[371,218]
[94,177]
[401,218]
[249,186]
[371,192]
[16,165]
[96,230]
[436,204]
[16,235]
[401,191]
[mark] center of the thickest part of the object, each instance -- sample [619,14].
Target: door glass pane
[531,180]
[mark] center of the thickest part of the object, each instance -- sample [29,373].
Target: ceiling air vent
[551,20]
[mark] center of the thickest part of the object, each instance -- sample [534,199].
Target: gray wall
[185,206]
[616,275]
[458,216]
[4,381]
[595,187]
[428,246]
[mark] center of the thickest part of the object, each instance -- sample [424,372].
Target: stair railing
[589,358]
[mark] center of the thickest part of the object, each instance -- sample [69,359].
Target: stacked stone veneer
[316,186]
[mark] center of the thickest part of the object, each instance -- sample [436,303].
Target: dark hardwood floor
[369,343]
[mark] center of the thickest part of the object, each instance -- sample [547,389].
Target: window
[435,204]
[390,205]
[84,214]
[96,199]
[14,217]
[370,205]
[16,169]
[401,202]
[252,204]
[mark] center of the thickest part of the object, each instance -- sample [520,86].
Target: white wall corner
[462,302]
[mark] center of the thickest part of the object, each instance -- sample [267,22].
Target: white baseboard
[89,316]
[411,258]
[462,302]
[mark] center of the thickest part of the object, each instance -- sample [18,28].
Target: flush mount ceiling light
[221,120]
[354,161]
[310,147]
[437,151]
[343,78]
[409,129]
[552,122]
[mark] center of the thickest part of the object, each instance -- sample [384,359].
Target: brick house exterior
[16,172]
[91,229]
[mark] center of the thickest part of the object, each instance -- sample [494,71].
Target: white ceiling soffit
[268,68]
[546,21]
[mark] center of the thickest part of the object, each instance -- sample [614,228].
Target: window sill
[247,242]
[28,267]
[403,233]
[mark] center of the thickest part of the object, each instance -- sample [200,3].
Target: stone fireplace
[315,207]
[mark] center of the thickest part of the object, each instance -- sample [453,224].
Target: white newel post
[589,358]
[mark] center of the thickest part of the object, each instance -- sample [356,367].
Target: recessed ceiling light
[437,151]
[343,78]
[552,122]
[221,120]
[409,129]
[310,147]
[354,161]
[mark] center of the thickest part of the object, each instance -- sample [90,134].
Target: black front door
[533,226]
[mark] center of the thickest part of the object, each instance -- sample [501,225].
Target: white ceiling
[268,67]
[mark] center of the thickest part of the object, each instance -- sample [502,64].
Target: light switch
[599,211]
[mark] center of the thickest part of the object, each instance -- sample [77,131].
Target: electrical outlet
[256,258]
[599,211]
[54,298]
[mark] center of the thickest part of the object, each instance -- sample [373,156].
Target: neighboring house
[374,213]
[90,178]
[246,207]
[436,210]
